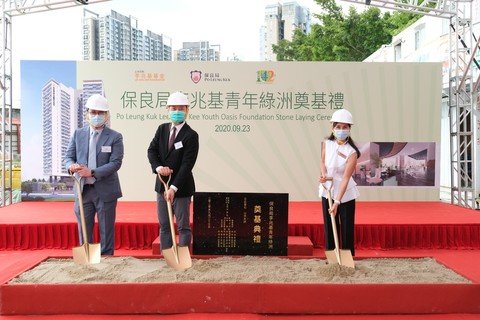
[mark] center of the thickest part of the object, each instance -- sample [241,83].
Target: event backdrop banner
[260,124]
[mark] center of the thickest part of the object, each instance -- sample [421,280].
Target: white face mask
[341,134]
[97,120]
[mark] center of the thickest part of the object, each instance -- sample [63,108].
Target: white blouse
[336,157]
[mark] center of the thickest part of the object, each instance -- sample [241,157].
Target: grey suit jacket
[109,160]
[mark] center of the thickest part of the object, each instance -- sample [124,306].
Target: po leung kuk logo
[196,76]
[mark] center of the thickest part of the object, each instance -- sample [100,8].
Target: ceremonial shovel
[87,253]
[340,256]
[176,257]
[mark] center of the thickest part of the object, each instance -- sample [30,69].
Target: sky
[234,25]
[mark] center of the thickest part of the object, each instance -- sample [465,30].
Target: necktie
[92,154]
[172,139]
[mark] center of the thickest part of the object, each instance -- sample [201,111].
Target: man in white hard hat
[173,151]
[95,153]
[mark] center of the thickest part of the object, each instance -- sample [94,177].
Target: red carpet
[379,225]
[272,299]
[247,316]
[415,226]
[163,298]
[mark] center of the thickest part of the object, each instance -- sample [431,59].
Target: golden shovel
[341,256]
[87,253]
[177,257]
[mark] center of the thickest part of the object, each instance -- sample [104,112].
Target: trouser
[106,212]
[345,220]
[181,210]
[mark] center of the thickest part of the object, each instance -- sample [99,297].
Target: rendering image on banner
[53,105]
[396,164]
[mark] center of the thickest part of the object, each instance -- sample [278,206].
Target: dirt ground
[247,269]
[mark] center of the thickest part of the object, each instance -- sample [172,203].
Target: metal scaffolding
[462,103]
[10,9]
[464,100]
[441,8]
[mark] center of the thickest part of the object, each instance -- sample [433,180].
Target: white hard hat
[177,99]
[97,102]
[343,116]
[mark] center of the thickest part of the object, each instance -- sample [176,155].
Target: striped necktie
[92,154]
[172,139]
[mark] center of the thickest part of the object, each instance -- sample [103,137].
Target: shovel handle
[329,190]
[332,218]
[80,205]
[172,230]
[170,216]
[165,183]
[331,183]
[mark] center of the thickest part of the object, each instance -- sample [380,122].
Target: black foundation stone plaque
[240,223]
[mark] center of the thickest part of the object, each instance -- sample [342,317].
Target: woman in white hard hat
[339,158]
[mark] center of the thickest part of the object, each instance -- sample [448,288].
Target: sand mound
[242,269]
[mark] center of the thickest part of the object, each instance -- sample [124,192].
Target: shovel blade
[347,259]
[332,257]
[343,258]
[179,260]
[87,253]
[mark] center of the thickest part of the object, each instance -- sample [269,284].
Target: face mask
[97,120]
[177,116]
[341,134]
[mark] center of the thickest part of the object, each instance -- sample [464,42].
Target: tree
[62,186]
[340,37]
[27,187]
[46,186]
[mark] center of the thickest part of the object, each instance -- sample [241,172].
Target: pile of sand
[242,269]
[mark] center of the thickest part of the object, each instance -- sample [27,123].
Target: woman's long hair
[349,140]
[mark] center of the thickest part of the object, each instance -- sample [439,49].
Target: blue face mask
[341,134]
[177,116]
[97,120]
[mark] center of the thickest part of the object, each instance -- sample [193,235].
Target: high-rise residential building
[198,51]
[59,121]
[90,36]
[273,30]
[295,17]
[281,21]
[63,111]
[157,47]
[118,37]
[263,41]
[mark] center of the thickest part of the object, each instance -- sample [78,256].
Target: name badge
[341,155]
[178,145]
[107,149]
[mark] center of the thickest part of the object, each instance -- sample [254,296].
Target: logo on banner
[265,76]
[196,76]
[215,77]
[141,75]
